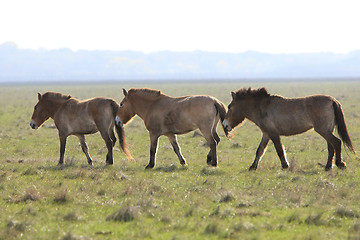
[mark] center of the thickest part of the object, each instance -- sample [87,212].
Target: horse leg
[112,136]
[175,145]
[280,150]
[212,143]
[338,161]
[331,152]
[217,139]
[216,136]
[62,149]
[260,151]
[84,147]
[109,145]
[333,144]
[153,147]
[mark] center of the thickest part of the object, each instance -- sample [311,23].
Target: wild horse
[165,115]
[74,117]
[278,116]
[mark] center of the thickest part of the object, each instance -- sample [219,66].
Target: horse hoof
[213,164]
[208,160]
[341,165]
[183,164]
[328,168]
[149,167]
[252,168]
[109,163]
[285,166]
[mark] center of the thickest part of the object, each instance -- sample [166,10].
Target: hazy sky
[274,26]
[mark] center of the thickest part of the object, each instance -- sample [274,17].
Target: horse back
[291,116]
[196,108]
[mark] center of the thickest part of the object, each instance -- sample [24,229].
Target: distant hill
[67,65]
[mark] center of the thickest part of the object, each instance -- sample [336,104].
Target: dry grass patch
[31,194]
[61,196]
[348,213]
[227,197]
[125,214]
[71,216]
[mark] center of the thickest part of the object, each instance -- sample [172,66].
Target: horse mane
[146,92]
[259,93]
[54,95]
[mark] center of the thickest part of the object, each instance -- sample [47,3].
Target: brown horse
[74,117]
[164,115]
[278,116]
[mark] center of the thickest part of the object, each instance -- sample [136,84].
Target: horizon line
[15,45]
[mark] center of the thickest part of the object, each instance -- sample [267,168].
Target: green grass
[39,200]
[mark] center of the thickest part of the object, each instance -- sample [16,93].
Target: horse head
[47,105]
[243,105]
[126,111]
[40,114]
[235,114]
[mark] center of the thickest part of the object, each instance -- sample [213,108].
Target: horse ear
[39,96]
[124,92]
[233,95]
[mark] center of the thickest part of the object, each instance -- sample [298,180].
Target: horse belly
[181,127]
[82,127]
[294,126]
[184,130]
[89,127]
[295,131]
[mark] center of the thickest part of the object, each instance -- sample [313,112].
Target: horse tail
[120,131]
[221,110]
[341,126]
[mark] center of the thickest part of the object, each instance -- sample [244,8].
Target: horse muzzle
[226,125]
[118,122]
[33,125]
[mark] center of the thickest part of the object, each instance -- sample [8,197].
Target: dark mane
[54,95]
[256,93]
[146,92]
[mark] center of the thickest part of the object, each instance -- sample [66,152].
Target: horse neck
[142,104]
[53,105]
[253,111]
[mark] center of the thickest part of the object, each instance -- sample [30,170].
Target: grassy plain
[39,200]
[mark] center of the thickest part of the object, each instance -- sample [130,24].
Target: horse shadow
[170,168]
